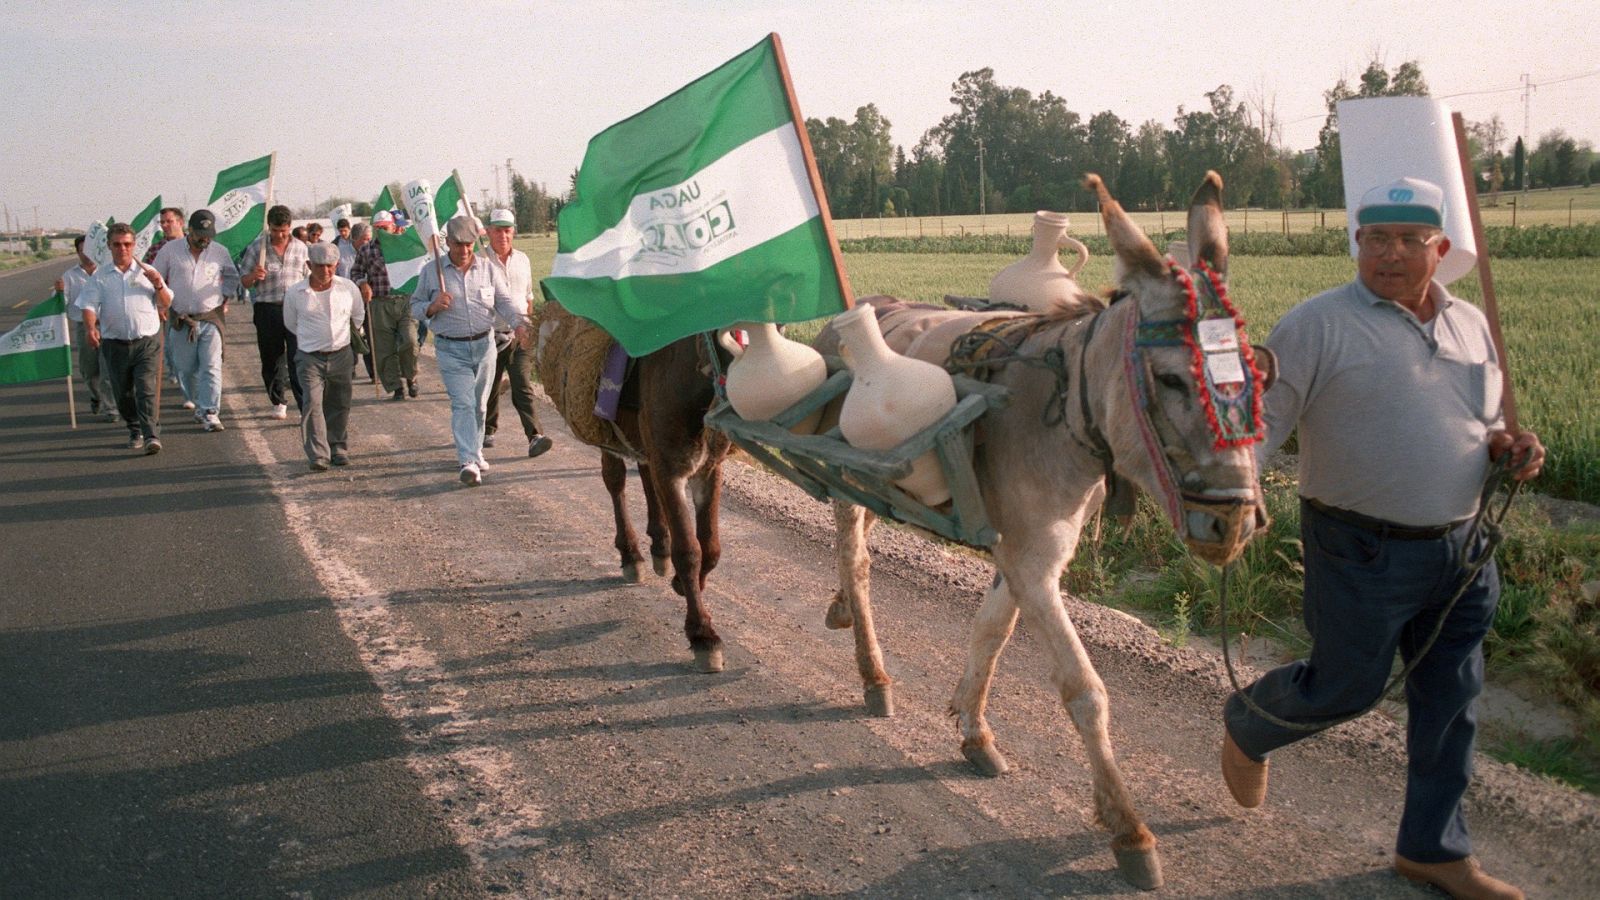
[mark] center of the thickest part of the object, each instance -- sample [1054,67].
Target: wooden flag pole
[272,172]
[1508,399]
[72,401]
[811,170]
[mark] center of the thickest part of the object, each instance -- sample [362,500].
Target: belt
[324,353]
[127,340]
[471,337]
[1384,528]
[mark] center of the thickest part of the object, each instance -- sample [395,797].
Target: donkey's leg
[1034,585]
[990,630]
[614,472]
[655,525]
[706,491]
[852,604]
[679,517]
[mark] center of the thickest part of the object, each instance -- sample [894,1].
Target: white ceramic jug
[892,398]
[772,374]
[1038,281]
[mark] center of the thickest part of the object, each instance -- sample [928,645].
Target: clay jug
[1039,282]
[772,374]
[892,398]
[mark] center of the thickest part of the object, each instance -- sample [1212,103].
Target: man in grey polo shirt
[461,315]
[1394,388]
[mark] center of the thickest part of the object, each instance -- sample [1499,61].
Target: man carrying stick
[122,308]
[394,333]
[1395,388]
[71,286]
[459,303]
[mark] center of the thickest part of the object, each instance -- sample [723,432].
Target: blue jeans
[198,364]
[1365,598]
[465,368]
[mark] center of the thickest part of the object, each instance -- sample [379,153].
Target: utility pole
[983,200]
[1528,87]
[497,194]
[486,205]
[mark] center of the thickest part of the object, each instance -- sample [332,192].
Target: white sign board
[1382,139]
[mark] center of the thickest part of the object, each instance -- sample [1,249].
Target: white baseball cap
[502,216]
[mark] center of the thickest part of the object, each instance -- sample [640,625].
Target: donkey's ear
[1135,253]
[1208,234]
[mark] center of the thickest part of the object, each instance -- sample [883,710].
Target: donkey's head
[1182,419]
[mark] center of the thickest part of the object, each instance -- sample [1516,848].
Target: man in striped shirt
[272,263]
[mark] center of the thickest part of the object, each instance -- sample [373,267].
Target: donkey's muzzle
[1219,524]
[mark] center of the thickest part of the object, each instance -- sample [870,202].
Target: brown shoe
[1462,879]
[1246,778]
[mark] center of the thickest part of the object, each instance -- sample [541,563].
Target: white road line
[474,785]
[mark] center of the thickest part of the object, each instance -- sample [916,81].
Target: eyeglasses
[122,243]
[1406,246]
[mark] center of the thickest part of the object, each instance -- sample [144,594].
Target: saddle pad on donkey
[571,358]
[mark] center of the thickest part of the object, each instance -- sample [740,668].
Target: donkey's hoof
[880,700]
[660,563]
[630,573]
[985,758]
[1140,868]
[708,660]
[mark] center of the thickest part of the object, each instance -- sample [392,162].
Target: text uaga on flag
[239,202]
[38,348]
[700,212]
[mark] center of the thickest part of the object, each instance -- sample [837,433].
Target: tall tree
[1325,184]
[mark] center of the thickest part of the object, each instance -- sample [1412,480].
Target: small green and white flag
[94,243]
[145,227]
[38,348]
[700,212]
[385,201]
[239,202]
[405,256]
[450,200]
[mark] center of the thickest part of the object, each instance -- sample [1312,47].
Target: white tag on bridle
[1225,368]
[1218,334]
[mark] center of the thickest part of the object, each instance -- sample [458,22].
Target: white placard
[1382,139]
[1218,334]
[1225,368]
[419,209]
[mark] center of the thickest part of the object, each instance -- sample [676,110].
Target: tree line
[1006,149]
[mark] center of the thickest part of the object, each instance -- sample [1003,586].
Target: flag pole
[811,170]
[1508,399]
[72,402]
[272,172]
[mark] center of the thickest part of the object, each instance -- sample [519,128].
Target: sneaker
[470,475]
[188,404]
[399,394]
[488,440]
[411,387]
[319,465]
[136,442]
[340,458]
[212,422]
[280,411]
[538,445]
[483,464]
[152,447]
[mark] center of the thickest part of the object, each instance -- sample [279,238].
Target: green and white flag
[38,348]
[405,256]
[145,227]
[94,243]
[239,202]
[450,200]
[700,212]
[385,201]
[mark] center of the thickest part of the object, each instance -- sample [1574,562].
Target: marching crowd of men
[312,303]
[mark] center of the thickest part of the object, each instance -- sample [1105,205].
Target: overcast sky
[109,103]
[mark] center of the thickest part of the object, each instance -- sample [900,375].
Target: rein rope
[1486,522]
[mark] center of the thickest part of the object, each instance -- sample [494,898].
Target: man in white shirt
[320,311]
[461,313]
[511,358]
[71,285]
[202,277]
[122,308]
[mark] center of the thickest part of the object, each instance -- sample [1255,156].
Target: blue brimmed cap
[1408,201]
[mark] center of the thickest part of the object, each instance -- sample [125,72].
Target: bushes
[1534,242]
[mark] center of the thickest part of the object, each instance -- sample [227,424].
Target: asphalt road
[182,715]
[228,676]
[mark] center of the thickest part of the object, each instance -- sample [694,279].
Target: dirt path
[571,749]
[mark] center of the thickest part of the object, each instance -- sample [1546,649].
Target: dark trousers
[131,367]
[88,365]
[276,344]
[1367,597]
[325,417]
[516,362]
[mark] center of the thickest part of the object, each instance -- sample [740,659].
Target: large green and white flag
[405,256]
[239,202]
[145,227]
[700,212]
[38,348]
